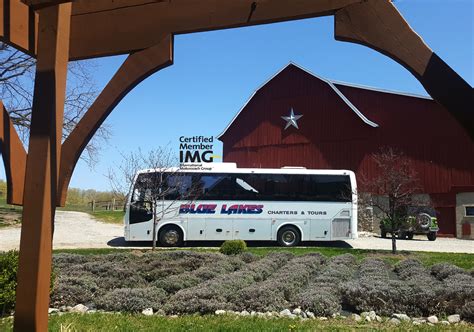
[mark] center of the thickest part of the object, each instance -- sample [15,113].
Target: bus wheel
[288,236]
[170,236]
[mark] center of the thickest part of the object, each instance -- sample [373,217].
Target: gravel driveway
[72,230]
[419,243]
[80,230]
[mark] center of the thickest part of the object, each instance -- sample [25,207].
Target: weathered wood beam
[137,67]
[18,26]
[88,7]
[137,27]
[378,25]
[14,158]
[38,4]
[42,165]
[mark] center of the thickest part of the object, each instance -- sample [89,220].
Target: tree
[393,190]
[161,182]
[17,71]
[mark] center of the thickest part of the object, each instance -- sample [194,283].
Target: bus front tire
[288,236]
[170,236]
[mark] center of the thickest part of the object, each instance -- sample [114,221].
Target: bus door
[218,229]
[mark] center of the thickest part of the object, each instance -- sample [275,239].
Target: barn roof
[333,84]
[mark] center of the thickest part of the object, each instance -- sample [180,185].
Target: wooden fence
[112,205]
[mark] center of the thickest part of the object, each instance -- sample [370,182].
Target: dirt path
[72,230]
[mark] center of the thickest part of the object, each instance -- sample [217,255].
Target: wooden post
[42,165]
[93,205]
[113,204]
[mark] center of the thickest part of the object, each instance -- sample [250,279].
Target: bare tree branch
[162,182]
[393,190]
[17,72]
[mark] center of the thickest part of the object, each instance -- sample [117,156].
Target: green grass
[466,261]
[127,322]
[112,217]
[9,214]
[77,208]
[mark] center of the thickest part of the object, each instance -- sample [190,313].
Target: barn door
[445,206]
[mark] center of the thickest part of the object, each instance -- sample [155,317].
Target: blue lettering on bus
[199,209]
[211,209]
[242,209]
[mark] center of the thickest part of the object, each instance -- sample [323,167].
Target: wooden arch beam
[378,25]
[137,67]
[14,158]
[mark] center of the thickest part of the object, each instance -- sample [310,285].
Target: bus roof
[232,168]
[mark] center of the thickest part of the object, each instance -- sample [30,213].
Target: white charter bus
[218,202]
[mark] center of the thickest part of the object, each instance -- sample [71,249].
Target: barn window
[469,211]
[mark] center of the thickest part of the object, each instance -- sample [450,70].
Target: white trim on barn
[330,83]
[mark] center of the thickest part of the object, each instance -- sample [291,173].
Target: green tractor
[416,221]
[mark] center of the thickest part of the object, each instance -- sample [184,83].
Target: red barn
[338,125]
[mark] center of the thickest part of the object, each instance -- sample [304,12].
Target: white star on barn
[291,119]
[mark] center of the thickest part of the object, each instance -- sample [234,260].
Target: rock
[401,317]
[160,312]
[147,312]
[416,323]
[356,317]
[79,308]
[303,315]
[433,319]
[444,322]
[378,319]
[368,316]
[322,318]
[297,311]
[244,313]
[174,316]
[253,313]
[453,319]
[53,311]
[394,321]
[92,311]
[309,314]
[220,312]
[372,315]
[285,313]
[418,320]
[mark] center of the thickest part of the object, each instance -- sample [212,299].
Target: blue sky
[214,73]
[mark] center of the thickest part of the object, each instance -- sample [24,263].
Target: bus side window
[217,187]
